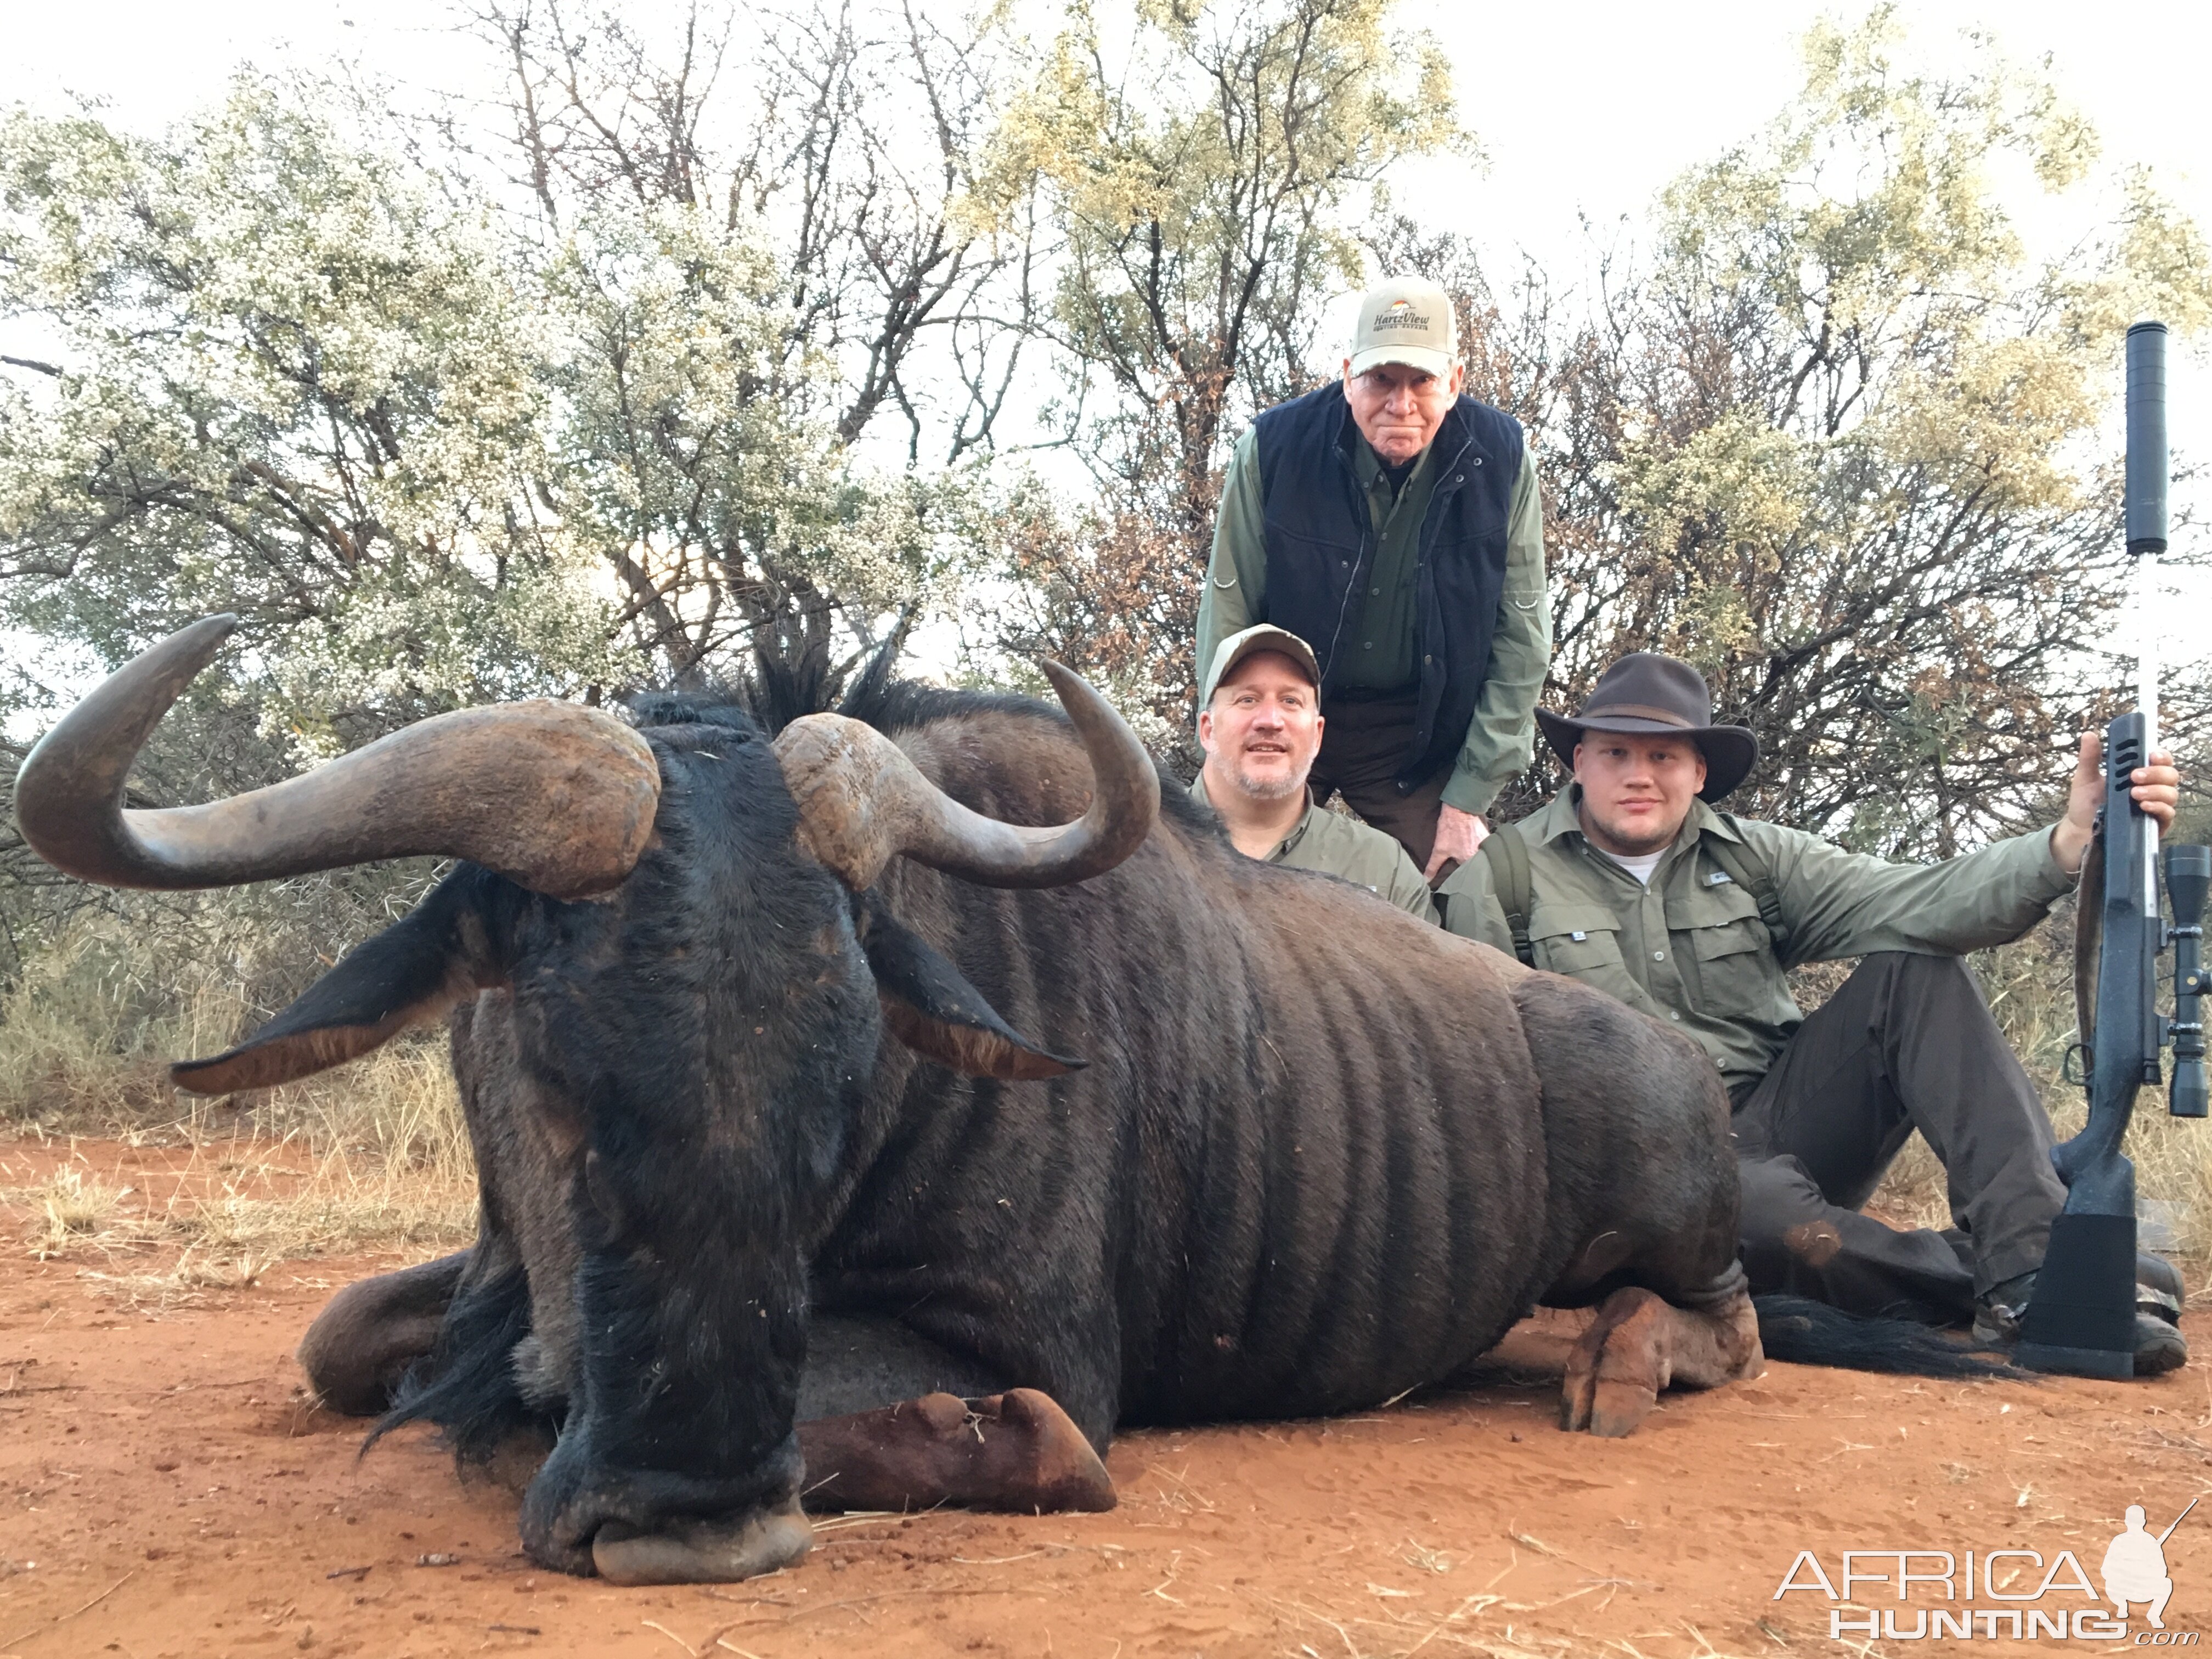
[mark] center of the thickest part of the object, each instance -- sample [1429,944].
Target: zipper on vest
[1370,544]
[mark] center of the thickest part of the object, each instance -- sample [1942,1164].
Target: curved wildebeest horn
[552,795]
[861,800]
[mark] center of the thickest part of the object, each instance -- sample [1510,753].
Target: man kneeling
[1632,882]
[1260,723]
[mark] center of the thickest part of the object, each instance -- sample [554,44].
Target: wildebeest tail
[467,1383]
[1803,1332]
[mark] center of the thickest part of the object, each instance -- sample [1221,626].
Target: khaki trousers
[1907,1044]
[1362,744]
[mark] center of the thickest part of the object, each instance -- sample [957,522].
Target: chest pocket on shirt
[1737,974]
[1582,941]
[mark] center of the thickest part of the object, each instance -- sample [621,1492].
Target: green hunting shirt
[1339,846]
[1378,638]
[1690,949]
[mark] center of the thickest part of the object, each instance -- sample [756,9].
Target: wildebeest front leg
[891,1420]
[1640,1344]
[368,1334]
[1016,1450]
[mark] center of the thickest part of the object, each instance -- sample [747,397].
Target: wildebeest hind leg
[1016,1450]
[1640,1343]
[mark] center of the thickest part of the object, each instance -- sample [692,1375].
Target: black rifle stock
[2081,1317]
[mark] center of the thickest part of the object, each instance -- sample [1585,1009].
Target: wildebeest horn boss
[771,1184]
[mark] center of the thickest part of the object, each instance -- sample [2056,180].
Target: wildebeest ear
[933,1009]
[412,971]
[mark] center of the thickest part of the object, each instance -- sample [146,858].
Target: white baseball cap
[1406,320]
[1260,636]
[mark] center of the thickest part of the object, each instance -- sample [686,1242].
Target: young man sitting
[1631,881]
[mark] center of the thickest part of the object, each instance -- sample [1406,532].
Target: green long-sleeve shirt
[1691,949]
[1377,651]
[1346,849]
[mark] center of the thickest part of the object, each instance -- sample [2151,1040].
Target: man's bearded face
[1262,729]
[1637,789]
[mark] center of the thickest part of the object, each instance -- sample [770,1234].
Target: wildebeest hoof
[1639,1344]
[703,1552]
[1016,1450]
[1062,1472]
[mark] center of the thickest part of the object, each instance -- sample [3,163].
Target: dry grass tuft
[374,1153]
[70,1210]
[234,1218]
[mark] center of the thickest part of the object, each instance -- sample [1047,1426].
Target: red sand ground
[167,1492]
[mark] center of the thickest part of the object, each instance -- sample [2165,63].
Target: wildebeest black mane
[891,706]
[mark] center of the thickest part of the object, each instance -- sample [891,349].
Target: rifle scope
[2188,872]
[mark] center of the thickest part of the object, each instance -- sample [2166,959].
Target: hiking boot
[1999,1311]
[2159,1346]
[2158,1287]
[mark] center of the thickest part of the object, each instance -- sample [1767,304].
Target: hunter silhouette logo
[2135,1567]
[1400,314]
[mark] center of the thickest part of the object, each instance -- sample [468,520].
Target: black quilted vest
[1321,543]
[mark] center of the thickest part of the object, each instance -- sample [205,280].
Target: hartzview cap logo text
[1401,314]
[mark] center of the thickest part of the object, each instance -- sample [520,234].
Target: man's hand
[2157,790]
[1460,836]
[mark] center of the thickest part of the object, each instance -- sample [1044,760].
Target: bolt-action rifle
[2082,1317]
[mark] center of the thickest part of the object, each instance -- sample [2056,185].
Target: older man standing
[1394,524]
[1260,721]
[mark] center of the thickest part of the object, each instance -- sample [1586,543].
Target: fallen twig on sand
[798,1613]
[1343,1635]
[54,1624]
[1457,1612]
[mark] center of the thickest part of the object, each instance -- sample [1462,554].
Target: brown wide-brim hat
[1648,693]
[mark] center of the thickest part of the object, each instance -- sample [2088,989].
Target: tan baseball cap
[1262,637]
[1408,321]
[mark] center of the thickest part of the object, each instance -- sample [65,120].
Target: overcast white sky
[1586,109]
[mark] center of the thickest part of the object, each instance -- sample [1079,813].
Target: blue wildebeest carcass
[888,1106]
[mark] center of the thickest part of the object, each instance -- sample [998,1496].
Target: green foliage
[285,369]
[1201,184]
[1828,434]
[725,512]
[292,377]
[1204,179]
